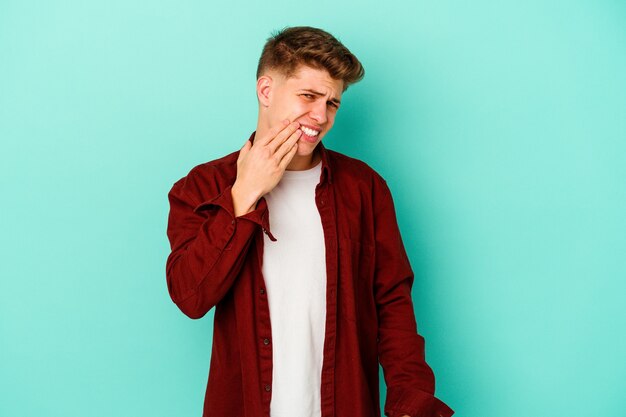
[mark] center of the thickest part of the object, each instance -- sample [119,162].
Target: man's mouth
[309,132]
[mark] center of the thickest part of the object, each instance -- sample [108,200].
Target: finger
[244,149]
[286,146]
[281,137]
[288,156]
[272,132]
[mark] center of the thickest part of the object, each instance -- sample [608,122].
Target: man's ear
[263,89]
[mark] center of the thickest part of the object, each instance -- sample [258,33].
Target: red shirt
[216,262]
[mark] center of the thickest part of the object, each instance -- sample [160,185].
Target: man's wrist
[243,202]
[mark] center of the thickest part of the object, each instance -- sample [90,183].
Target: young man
[304,309]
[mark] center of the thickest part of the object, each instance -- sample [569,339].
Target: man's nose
[318,111]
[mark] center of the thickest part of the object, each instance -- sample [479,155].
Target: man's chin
[307,147]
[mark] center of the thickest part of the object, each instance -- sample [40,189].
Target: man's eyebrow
[333,99]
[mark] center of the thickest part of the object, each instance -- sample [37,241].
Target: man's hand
[261,165]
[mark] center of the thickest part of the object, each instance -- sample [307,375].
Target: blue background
[499,126]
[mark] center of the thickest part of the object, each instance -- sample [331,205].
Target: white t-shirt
[294,269]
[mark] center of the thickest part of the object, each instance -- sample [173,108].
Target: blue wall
[500,127]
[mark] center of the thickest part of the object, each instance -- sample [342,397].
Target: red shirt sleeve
[410,380]
[209,245]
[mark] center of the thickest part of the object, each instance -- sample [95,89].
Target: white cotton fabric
[294,270]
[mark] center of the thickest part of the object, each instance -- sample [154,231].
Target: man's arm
[210,239]
[410,380]
[200,269]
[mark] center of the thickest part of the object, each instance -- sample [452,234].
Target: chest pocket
[355,278]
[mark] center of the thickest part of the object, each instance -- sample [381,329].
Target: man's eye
[308,95]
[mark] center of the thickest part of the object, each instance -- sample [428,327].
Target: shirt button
[322,202]
[266,341]
[267,388]
[262,291]
[232,222]
[264,231]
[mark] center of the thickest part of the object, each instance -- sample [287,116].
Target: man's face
[310,97]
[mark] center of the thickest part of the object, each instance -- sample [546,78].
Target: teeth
[309,132]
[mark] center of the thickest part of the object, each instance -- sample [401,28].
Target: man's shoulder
[208,178]
[358,179]
[351,169]
[225,166]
